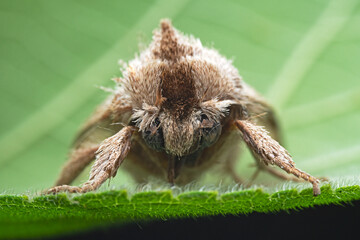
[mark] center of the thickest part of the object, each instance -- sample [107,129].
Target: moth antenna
[117,79]
[106,89]
[258,115]
[118,123]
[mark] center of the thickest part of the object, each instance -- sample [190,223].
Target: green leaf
[303,56]
[63,213]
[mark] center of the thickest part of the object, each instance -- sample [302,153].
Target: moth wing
[263,112]
[103,123]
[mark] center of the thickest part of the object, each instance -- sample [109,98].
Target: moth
[179,110]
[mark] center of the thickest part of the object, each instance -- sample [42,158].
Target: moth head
[163,130]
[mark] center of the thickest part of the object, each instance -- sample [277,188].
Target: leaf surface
[48,215]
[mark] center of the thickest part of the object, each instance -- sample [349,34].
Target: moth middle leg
[229,167]
[230,170]
[269,169]
[79,159]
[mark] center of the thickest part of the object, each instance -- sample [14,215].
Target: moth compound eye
[210,131]
[153,136]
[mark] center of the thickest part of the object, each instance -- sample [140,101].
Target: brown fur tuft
[170,49]
[177,85]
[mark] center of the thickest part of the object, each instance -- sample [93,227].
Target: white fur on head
[145,116]
[215,109]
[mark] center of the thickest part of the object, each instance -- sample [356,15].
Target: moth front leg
[271,152]
[109,157]
[79,159]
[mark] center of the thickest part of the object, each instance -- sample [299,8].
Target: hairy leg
[269,169]
[271,152]
[265,116]
[109,156]
[279,175]
[79,159]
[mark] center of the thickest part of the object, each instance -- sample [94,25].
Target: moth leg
[109,157]
[271,152]
[263,167]
[229,168]
[278,174]
[237,179]
[79,159]
[254,176]
[265,116]
[283,176]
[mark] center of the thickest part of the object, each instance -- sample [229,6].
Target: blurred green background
[304,56]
